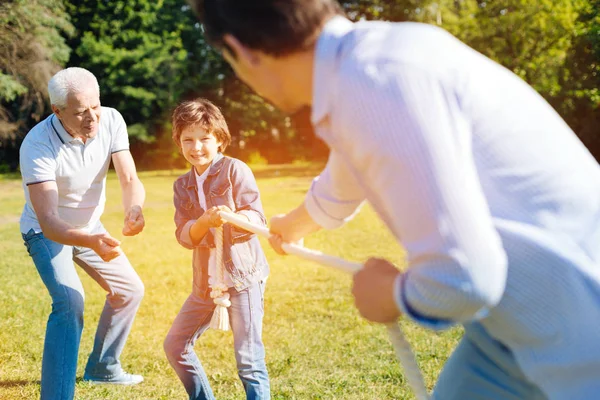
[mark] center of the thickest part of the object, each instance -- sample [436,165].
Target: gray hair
[69,80]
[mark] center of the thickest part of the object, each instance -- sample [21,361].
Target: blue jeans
[54,263]
[481,368]
[245,317]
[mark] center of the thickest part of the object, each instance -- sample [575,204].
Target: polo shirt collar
[59,130]
[326,60]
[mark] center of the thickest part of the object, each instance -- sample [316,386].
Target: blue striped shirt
[494,198]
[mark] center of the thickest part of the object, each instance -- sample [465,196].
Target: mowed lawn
[317,345]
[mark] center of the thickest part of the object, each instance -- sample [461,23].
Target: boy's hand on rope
[373,291]
[214,219]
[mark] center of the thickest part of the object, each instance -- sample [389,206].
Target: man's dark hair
[276,27]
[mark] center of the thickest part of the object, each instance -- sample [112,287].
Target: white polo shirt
[49,153]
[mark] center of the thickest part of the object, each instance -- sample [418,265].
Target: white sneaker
[123,379]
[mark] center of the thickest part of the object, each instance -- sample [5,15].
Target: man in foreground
[495,200]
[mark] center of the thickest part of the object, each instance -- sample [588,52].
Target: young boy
[217,182]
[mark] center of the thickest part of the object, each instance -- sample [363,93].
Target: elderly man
[494,198]
[64,160]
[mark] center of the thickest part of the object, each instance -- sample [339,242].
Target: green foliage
[10,88]
[394,10]
[149,55]
[582,77]
[256,159]
[579,99]
[530,38]
[32,49]
[143,53]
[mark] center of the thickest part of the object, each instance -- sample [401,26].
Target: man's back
[456,153]
[532,167]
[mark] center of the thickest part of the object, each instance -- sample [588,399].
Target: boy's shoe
[123,379]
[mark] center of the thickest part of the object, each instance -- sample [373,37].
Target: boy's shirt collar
[214,169]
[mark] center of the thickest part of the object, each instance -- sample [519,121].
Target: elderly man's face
[81,116]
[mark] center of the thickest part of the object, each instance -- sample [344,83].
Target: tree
[579,99]
[150,54]
[32,49]
[137,49]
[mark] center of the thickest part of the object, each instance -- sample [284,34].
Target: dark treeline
[150,54]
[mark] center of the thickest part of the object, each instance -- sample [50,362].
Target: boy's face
[199,147]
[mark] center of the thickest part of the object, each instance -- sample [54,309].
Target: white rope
[219,293]
[401,345]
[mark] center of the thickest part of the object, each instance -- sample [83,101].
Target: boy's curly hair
[203,114]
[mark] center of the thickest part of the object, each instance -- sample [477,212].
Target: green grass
[317,345]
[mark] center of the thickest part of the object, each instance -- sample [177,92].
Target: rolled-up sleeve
[183,222]
[423,177]
[335,196]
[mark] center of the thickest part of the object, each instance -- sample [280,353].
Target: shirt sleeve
[246,196]
[422,169]
[120,139]
[37,162]
[183,221]
[335,196]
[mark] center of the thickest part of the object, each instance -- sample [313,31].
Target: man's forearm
[61,232]
[134,194]
[295,225]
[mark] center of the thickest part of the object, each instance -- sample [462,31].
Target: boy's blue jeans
[54,263]
[245,317]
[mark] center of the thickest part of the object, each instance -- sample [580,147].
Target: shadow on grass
[17,383]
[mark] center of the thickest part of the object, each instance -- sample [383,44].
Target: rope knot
[223,300]
[219,291]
